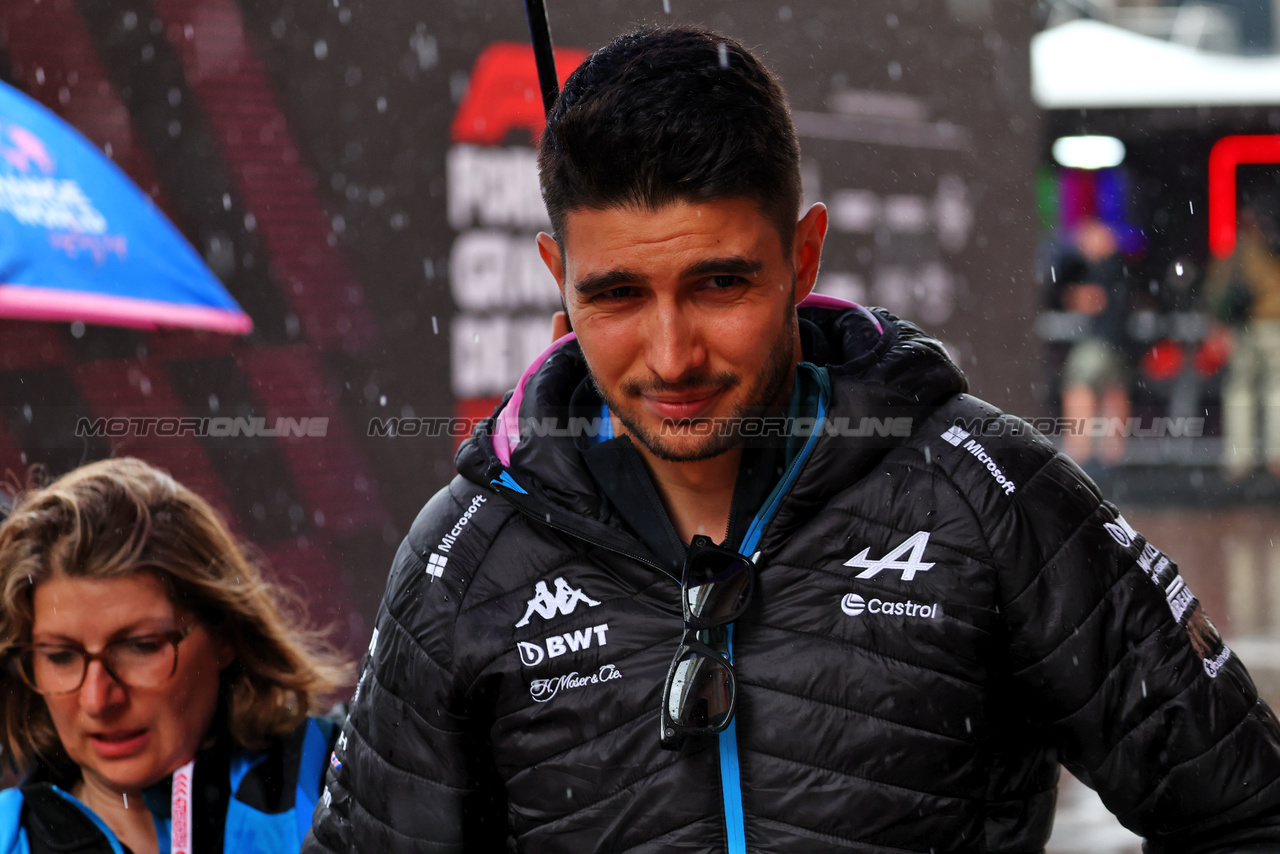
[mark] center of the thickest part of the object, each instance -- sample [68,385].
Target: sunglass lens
[701,692]
[717,591]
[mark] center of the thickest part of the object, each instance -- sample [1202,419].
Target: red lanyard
[180,810]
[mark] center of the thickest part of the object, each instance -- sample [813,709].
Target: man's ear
[550,252]
[806,249]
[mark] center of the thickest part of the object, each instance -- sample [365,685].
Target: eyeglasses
[701,689]
[143,661]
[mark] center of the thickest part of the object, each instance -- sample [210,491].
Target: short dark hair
[661,115]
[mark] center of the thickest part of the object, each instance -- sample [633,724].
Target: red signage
[1228,153]
[504,93]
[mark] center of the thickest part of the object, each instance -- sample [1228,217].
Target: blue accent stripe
[735,824]
[315,759]
[606,423]
[505,479]
[13,836]
[762,518]
[730,771]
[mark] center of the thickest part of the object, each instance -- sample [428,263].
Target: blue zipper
[735,824]
[730,771]
[606,424]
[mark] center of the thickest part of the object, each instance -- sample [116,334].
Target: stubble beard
[765,394]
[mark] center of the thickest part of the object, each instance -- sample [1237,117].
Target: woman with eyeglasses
[156,698]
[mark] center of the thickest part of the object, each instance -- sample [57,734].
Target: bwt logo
[533,654]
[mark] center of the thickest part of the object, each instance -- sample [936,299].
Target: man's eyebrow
[594,283]
[730,265]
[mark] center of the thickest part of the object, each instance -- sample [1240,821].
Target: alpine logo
[547,606]
[955,435]
[909,567]
[532,654]
[855,606]
[435,566]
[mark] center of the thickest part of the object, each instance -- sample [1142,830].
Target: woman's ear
[224,651]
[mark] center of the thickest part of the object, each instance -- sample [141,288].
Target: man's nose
[100,691]
[676,348]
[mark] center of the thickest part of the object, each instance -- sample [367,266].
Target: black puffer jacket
[939,619]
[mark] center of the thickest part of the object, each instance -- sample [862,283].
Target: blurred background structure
[360,176]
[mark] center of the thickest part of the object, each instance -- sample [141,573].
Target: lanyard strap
[180,810]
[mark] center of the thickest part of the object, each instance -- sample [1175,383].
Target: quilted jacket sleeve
[1115,663]
[406,776]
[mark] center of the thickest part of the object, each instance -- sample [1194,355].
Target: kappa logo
[547,606]
[532,654]
[909,567]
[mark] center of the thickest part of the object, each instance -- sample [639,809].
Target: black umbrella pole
[540,33]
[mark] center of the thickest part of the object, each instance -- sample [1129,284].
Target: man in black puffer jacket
[893,610]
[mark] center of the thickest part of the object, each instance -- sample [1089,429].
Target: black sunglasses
[701,689]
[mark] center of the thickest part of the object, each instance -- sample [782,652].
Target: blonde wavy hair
[115,517]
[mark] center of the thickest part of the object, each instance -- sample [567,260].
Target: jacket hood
[886,377]
[879,367]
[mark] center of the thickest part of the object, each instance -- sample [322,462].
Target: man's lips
[117,743]
[682,407]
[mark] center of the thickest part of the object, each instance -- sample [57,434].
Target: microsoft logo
[955,435]
[435,565]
